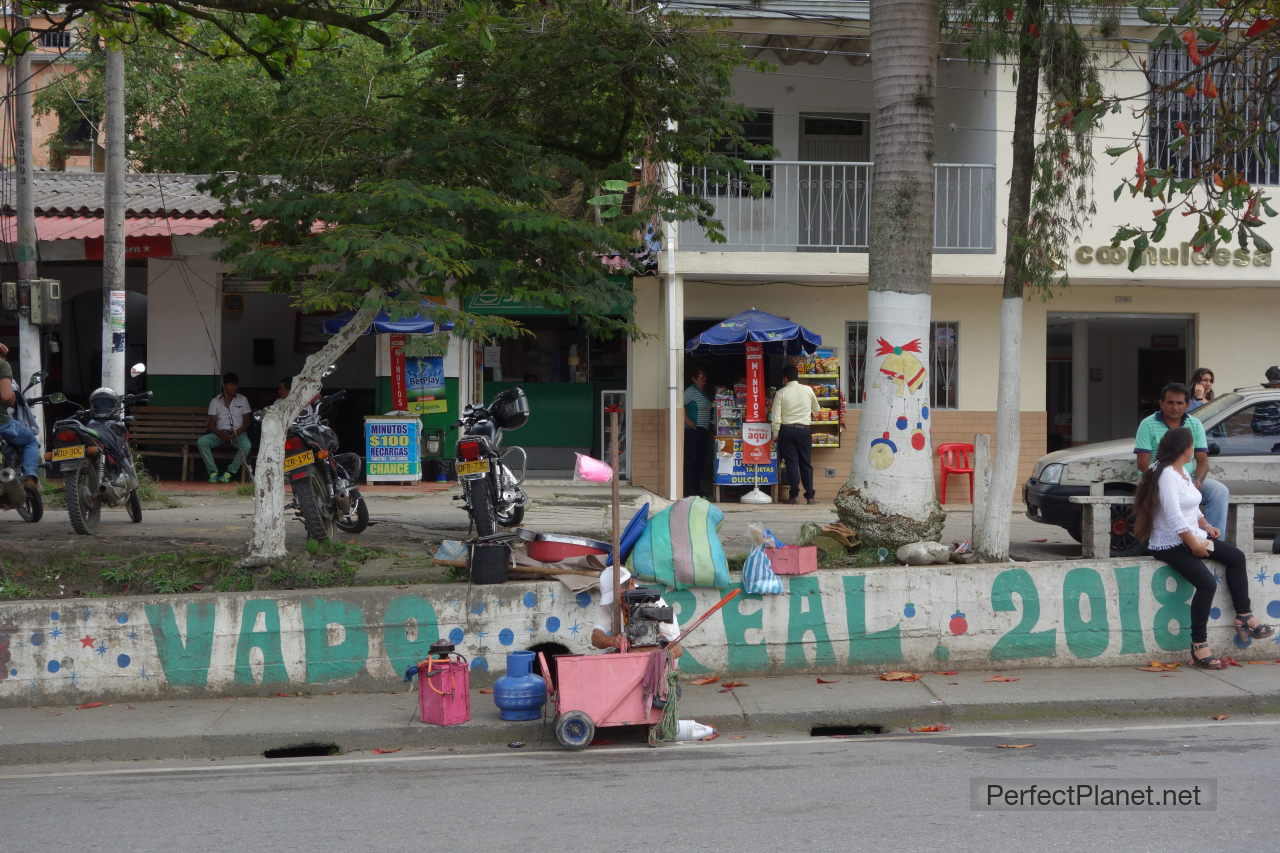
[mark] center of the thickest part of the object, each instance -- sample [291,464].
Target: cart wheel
[574,729]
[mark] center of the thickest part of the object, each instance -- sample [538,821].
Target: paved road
[909,792]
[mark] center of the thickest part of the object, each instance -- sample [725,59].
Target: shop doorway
[1126,358]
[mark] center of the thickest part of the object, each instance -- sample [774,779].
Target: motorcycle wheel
[356,520]
[480,505]
[33,509]
[134,505]
[313,503]
[83,506]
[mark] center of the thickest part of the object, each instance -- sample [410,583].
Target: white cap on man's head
[606,583]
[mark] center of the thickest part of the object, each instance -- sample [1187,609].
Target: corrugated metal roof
[80,193]
[79,227]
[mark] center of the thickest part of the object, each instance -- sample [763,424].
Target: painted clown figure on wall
[903,377]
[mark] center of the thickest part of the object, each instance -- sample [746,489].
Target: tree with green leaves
[1209,118]
[1057,105]
[465,160]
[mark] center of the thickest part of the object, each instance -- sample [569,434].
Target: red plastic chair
[957,458]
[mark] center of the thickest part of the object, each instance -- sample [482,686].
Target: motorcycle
[491,492]
[325,493]
[91,449]
[14,493]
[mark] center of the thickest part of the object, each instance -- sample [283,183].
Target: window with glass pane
[1237,85]
[757,131]
[944,363]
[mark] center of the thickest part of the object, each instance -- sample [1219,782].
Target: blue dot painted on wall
[909,611]
[1215,612]
[53,666]
[123,660]
[1275,579]
[455,636]
[55,616]
[13,673]
[583,599]
[479,665]
[924,412]
[122,618]
[37,638]
[553,624]
[1273,609]
[477,608]
[530,599]
[506,636]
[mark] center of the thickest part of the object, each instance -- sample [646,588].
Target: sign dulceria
[1173,256]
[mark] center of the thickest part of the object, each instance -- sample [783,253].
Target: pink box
[793,559]
[444,692]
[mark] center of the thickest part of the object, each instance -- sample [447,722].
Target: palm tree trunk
[889,497]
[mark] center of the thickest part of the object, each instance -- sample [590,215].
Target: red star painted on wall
[87,642]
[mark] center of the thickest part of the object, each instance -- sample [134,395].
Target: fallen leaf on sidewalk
[939,727]
[87,705]
[738,737]
[708,679]
[285,695]
[1037,540]
[828,681]
[1014,745]
[486,689]
[728,686]
[945,672]
[1230,661]
[1220,717]
[1158,666]
[899,675]
[381,751]
[1001,678]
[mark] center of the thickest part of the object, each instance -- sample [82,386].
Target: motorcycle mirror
[329,371]
[38,377]
[56,397]
[138,369]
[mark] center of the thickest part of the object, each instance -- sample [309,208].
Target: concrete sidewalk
[243,727]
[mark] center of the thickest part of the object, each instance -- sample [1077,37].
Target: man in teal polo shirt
[1173,413]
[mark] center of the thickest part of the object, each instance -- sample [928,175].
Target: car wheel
[1124,539]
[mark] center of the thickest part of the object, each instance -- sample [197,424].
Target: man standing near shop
[697,438]
[793,408]
[1173,413]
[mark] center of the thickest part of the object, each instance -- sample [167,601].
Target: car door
[1250,431]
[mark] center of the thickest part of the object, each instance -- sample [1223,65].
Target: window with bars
[944,363]
[1235,84]
[60,39]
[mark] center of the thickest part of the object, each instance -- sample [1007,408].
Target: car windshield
[1216,407]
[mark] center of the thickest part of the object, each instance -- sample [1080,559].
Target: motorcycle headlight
[1052,473]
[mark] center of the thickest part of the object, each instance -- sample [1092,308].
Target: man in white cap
[602,635]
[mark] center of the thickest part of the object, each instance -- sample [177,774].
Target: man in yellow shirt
[793,408]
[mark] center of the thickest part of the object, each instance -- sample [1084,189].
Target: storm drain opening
[846,731]
[306,750]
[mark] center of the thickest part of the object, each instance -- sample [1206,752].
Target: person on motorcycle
[229,415]
[15,432]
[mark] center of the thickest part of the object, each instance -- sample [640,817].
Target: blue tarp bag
[758,577]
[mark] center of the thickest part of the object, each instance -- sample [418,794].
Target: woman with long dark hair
[1201,386]
[1167,507]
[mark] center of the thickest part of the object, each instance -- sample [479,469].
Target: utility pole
[28,333]
[113,267]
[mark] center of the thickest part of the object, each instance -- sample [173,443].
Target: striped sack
[758,577]
[680,548]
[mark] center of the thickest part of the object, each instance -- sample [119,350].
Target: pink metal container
[595,691]
[444,691]
[793,559]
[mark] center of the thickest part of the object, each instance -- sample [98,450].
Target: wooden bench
[1095,526]
[171,432]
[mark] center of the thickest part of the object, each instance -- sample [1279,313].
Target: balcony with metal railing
[826,207]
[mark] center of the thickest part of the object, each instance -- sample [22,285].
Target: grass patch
[149,492]
[86,574]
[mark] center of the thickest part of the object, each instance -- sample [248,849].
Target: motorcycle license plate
[480,466]
[74,452]
[297,460]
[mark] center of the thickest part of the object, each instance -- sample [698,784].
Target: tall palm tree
[889,497]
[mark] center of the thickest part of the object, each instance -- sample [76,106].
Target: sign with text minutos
[755,384]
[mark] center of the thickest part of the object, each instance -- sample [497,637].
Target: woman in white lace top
[1167,507]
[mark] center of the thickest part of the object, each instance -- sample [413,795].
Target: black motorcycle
[490,488]
[325,493]
[14,492]
[91,449]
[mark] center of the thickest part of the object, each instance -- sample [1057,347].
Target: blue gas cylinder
[520,694]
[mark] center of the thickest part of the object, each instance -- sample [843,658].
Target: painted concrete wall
[1070,613]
